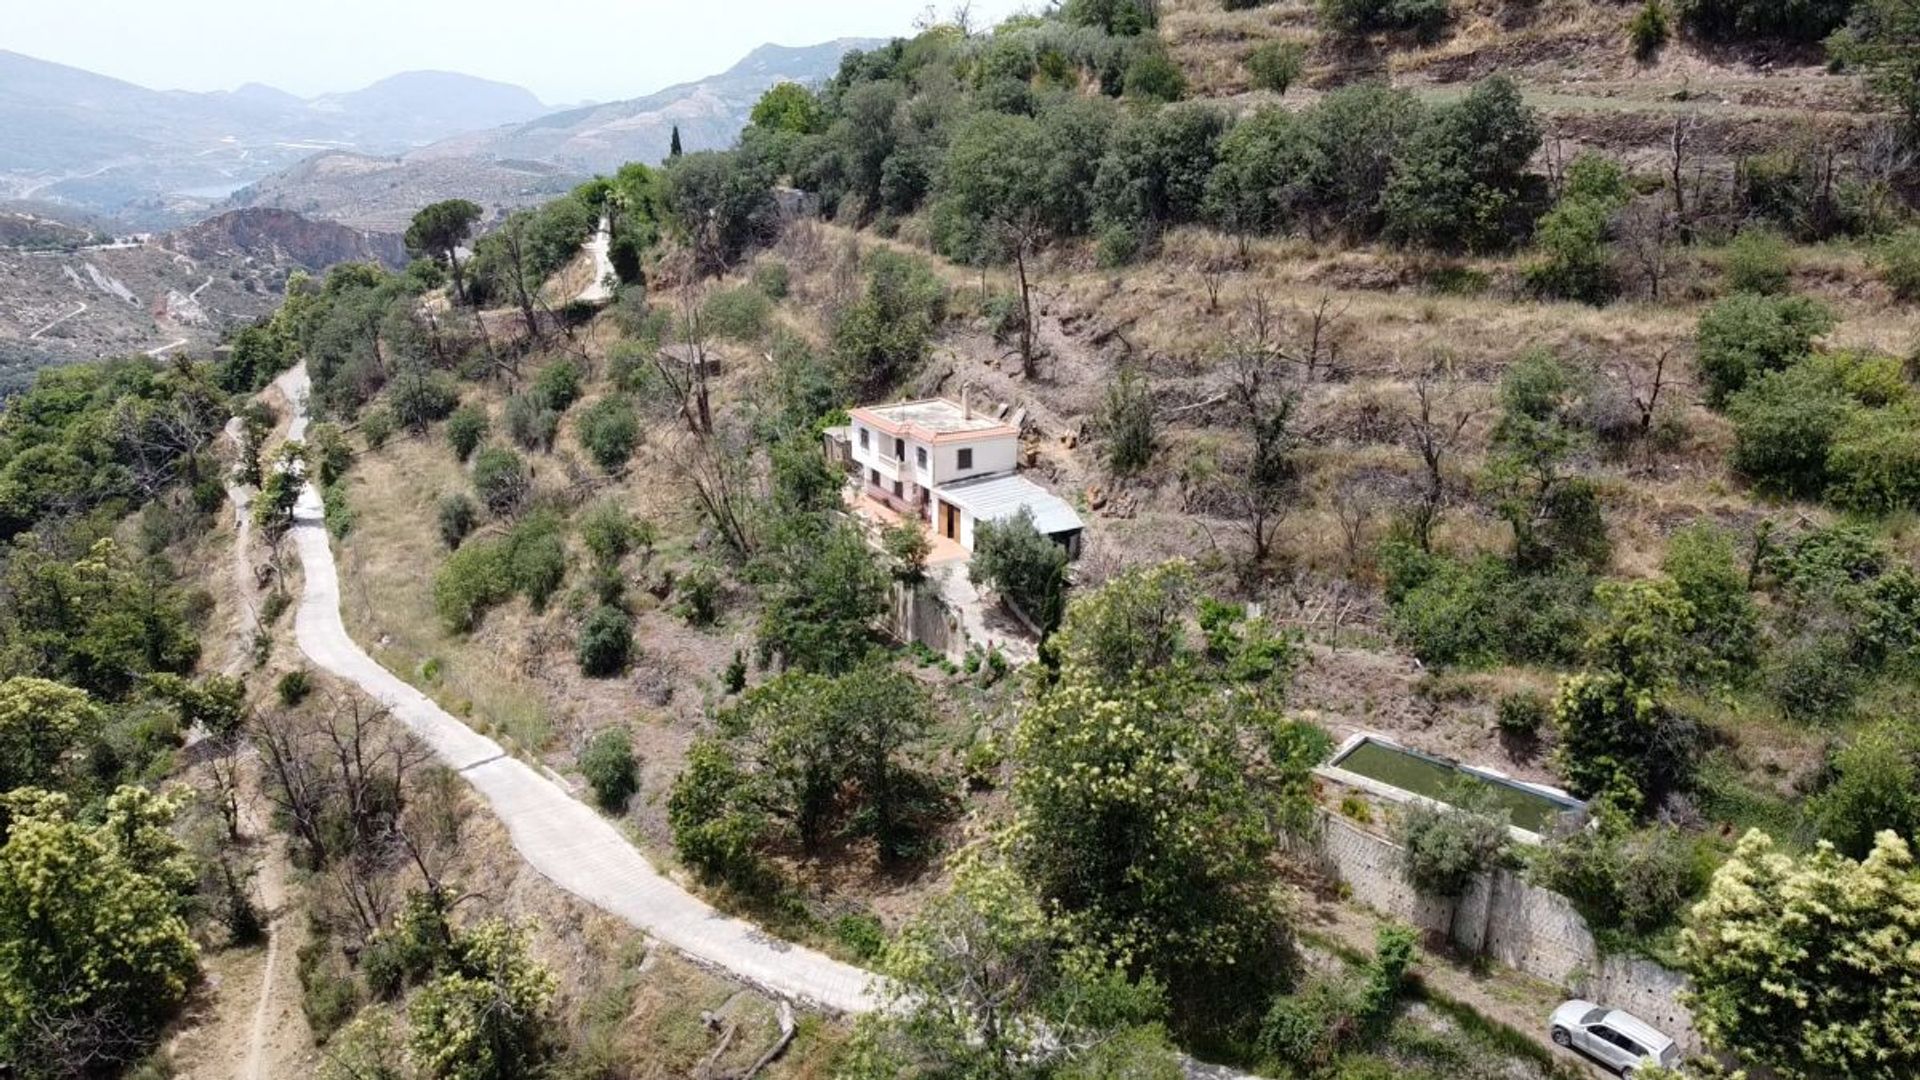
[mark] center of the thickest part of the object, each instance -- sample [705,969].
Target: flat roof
[932,419]
[996,498]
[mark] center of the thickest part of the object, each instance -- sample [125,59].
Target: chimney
[966,409]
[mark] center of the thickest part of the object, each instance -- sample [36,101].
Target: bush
[376,427]
[1153,76]
[1482,611]
[1524,712]
[457,518]
[1785,424]
[1874,460]
[1816,679]
[1746,335]
[418,398]
[1875,786]
[1756,262]
[740,313]
[1649,30]
[770,276]
[531,560]
[465,429]
[606,642]
[1444,848]
[1423,17]
[532,427]
[1277,65]
[1023,566]
[557,386]
[608,532]
[1126,421]
[293,687]
[611,770]
[699,593]
[537,559]
[1637,882]
[500,478]
[1899,259]
[610,430]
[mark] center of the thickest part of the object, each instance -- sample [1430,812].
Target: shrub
[1480,611]
[1424,17]
[1746,335]
[537,559]
[740,313]
[457,518]
[1571,239]
[862,934]
[1875,786]
[1277,65]
[500,478]
[770,276]
[532,427]
[418,398]
[1816,679]
[1524,712]
[907,544]
[1638,882]
[1649,30]
[1126,420]
[610,430]
[557,386]
[606,642]
[465,429]
[1022,565]
[699,593]
[733,678]
[608,532]
[1153,76]
[1785,424]
[293,687]
[376,427]
[1874,460]
[611,770]
[1445,847]
[1700,559]
[473,579]
[1756,262]
[1899,259]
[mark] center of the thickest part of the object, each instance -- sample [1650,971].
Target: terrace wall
[1508,919]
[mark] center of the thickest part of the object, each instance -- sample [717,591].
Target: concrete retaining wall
[918,613]
[1506,918]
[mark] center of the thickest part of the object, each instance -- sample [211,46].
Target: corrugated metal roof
[994,498]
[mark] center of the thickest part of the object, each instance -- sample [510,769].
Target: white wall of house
[991,455]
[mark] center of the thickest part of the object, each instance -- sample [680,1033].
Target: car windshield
[1594,1016]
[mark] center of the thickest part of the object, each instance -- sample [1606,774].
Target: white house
[939,461]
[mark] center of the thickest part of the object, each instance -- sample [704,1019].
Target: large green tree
[94,952]
[1810,965]
[438,230]
[1148,799]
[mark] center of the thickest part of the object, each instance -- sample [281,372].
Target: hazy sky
[562,50]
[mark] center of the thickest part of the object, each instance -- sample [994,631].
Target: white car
[1619,1040]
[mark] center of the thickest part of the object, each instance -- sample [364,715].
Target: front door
[949,521]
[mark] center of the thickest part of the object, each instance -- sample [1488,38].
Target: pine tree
[673,149]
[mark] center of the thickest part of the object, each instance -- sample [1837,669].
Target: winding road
[562,838]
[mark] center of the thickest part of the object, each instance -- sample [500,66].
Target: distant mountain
[382,193]
[67,295]
[160,157]
[601,138]
[421,106]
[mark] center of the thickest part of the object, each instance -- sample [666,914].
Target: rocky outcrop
[282,237]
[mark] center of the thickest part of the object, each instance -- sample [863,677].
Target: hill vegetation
[1472,374]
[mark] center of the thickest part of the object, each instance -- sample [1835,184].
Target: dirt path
[1505,996]
[598,249]
[58,321]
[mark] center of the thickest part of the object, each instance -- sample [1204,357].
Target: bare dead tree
[1647,234]
[1433,429]
[1212,276]
[224,767]
[1322,349]
[720,471]
[297,781]
[1262,402]
[1679,146]
[686,370]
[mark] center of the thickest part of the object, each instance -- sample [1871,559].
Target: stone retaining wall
[1506,918]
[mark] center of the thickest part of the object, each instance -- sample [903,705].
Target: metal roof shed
[995,498]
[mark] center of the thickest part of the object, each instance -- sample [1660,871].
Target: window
[863,438]
[966,457]
[920,455]
[899,449]
[896,489]
[873,477]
